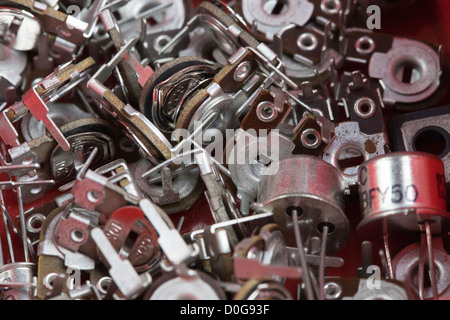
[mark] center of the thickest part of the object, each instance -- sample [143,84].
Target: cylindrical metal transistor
[401,191]
[315,190]
[18,273]
[404,193]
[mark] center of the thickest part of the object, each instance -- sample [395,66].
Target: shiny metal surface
[312,187]
[61,113]
[22,273]
[269,17]
[406,268]
[389,68]
[398,192]
[13,66]
[20,29]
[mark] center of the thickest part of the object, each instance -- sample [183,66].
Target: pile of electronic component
[117,116]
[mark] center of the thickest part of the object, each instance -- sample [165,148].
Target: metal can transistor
[400,191]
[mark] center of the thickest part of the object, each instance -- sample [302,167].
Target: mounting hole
[48,280]
[34,223]
[103,284]
[77,235]
[290,211]
[93,196]
[365,108]
[242,71]
[311,138]
[332,290]
[322,225]
[430,140]
[275,7]
[348,159]
[330,6]
[408,71]
[266,112]
[365,45]
[161,41]
[307,41]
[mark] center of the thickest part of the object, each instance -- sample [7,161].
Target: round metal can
[312,187]
[21,272]
[399,192]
